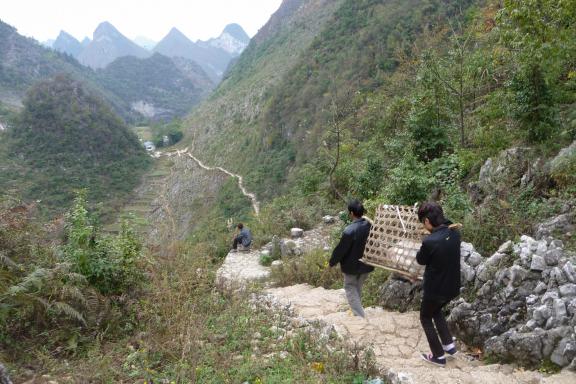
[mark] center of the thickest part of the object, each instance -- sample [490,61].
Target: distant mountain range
[67,43]
[155,87]
[108,44]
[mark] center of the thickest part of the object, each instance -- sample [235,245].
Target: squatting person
[440,253]
[348,253]
[243,237]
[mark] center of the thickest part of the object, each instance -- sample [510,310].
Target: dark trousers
[237,241]
[430,316]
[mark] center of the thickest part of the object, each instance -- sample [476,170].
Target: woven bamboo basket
[394,240]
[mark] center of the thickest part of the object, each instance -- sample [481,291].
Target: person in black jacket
[348,253]
[440,253]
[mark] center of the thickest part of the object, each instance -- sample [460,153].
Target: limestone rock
[239,268]
[538,263]
[288,248]
[296,232]
[567,290]
[569,272]
[503,171]
[557,277]
[329,219]
[565,352]
[399,294]
[507,247]
[522,302]
[552,256]
[466,249]
[559,224]
[467,273]
[474,259]
[4,378]
[571,308]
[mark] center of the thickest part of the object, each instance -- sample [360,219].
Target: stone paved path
[397,338]
[240,268]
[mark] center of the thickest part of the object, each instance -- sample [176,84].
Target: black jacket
[351,248]
[440,253]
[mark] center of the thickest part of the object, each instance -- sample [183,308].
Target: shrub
[408,183]
[371,289]
[311,268]
[109,263]
[266,259]
[428,130]
[534,107]
[43,300]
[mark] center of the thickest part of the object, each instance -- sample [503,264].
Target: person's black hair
[433,212]
[356,207]
[240,225]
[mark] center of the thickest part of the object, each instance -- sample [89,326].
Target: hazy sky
[197,19]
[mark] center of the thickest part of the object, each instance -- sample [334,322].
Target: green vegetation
[312,268]
[173,326]
[172,130]
[66,139]
[110,263]
[49,299]
[25,62]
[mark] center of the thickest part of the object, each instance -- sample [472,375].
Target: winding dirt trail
[251,196]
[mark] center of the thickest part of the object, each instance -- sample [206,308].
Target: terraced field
[144,199]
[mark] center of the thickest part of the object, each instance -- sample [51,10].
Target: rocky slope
[232,40]
[520,303]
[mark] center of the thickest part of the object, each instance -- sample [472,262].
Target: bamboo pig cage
[394,240]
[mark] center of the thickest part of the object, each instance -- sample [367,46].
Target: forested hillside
[67,139]
[158,87]
[228,126]
[392,100]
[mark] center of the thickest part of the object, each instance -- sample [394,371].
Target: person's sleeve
[341,249]
[423,255]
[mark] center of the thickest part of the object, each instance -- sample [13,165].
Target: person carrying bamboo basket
[348,253]
[440,253]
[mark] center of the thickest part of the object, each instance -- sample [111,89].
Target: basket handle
[400,217]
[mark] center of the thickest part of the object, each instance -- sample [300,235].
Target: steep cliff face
[187,194]
[226,128]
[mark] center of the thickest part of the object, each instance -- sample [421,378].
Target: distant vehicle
[150,147]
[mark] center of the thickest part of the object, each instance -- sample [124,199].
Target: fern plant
[42,293]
